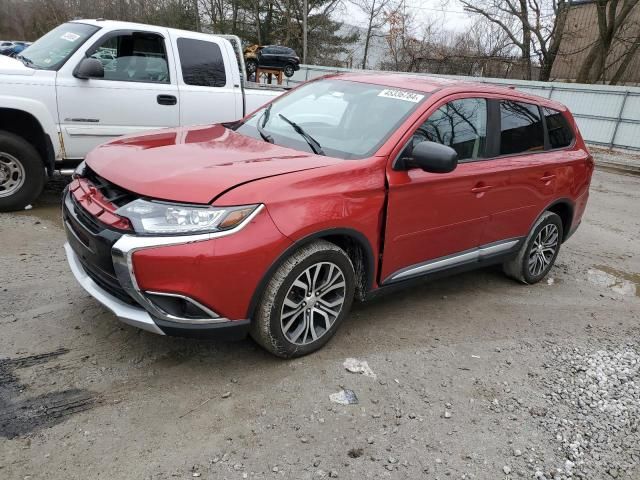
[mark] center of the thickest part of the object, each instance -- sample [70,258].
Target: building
[580,33]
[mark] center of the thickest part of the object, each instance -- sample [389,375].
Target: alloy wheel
[313,303]
[12,174]
[543,249]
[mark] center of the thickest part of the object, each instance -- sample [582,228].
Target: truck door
[138,92]
[208,79]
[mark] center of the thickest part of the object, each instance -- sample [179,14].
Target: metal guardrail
[607,115]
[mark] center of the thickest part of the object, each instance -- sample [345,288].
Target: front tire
[251,66]
[305,301]
[289,71]
[539,252]
[22,174]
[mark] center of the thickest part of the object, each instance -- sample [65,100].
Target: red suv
[343,188]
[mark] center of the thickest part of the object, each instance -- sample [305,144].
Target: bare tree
[531,25]
[612,20]
[510,16]
[626,60]
[377,12]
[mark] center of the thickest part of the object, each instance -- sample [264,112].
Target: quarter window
[134,58]
[461,125]
[560,133]
[520,128]
[202,63]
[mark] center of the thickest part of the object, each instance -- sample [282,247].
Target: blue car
[14,49]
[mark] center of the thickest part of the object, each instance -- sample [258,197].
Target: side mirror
[433,157]
[89,68]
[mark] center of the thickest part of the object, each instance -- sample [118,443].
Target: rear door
[208,79]
[439,216]
[138,91]
[525,172]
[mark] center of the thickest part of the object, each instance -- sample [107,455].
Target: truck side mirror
[89,68]
[433,157]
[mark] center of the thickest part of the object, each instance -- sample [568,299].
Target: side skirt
[487,255]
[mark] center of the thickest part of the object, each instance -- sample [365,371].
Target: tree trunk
[256,5]
[526,41]
[626,61]
[556,40]
[366,41]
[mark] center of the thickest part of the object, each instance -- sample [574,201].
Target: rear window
[560,133]
[201,62]
[520,128]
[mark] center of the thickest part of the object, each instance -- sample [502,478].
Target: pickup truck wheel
[539,252]
[22,174]
[305,301]
[289,70]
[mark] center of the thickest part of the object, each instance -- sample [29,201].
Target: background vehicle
[347,187]
[272,56]
[89,81]
[5,46]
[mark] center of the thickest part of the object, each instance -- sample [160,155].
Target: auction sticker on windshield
[70,36]
[401,95]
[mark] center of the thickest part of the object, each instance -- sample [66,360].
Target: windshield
[346,119]
[53,49]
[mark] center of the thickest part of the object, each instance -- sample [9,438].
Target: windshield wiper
[27,61]
[265,115]
[313,143]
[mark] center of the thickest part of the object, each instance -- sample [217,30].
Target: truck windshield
[52,50]
[347,119]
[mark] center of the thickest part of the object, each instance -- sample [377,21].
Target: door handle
[481,188]
[547,178]
[167,100]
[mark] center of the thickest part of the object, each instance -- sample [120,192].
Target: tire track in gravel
[21,414]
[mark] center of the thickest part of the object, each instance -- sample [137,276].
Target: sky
[448,13]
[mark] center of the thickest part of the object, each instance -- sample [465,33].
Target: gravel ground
[624,160]
[473,376]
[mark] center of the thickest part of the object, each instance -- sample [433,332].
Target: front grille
[113,193]
[110,284]
[92,243]
[83,217]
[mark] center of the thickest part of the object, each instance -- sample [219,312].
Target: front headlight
[79,171]
[170,218]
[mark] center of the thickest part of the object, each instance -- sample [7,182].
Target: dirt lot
[477,376]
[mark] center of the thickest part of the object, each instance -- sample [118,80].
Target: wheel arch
[353,242]
[564,208]
[27,125]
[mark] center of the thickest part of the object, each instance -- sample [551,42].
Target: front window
[347,119]
[52,50]
[133,57]
[461,125]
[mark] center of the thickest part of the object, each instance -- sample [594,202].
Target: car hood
[195,165]
[13,66]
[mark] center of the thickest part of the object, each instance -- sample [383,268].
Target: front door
[433,216]
[138,92]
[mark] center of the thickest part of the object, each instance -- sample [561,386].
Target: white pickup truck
[88,81]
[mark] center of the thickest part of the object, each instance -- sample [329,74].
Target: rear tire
[539,251]
[22,174]
[305,301]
